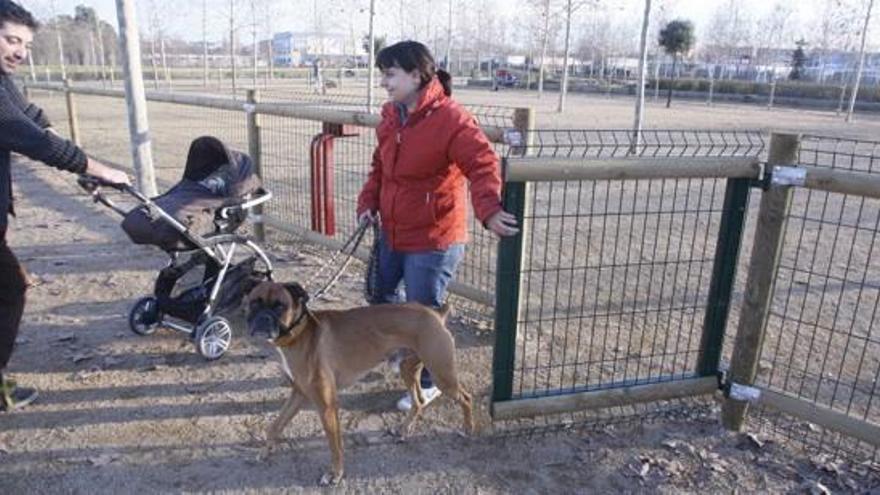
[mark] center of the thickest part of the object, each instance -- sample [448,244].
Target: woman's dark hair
[414,56]
[15,13]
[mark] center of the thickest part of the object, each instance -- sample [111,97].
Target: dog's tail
[444,311]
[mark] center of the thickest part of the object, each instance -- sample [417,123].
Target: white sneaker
[428,395]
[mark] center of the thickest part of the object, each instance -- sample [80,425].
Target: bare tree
[447,60]
[232,47]
[100,35]
[545,38]
[643,62]
[371,61]
[729,29]
[205,43]
[54,12]
[834,28]
[255,41]
[771,35]
[563,87]
[858,77]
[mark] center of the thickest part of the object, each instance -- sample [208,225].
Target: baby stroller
[195,222]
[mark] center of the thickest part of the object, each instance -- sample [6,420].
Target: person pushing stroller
[24,129]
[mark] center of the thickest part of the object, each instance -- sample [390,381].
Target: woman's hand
[503,224]
[368,217]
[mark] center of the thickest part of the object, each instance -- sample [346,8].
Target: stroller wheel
[143,319]
[213,337]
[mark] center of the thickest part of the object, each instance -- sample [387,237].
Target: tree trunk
[205,43]
[372,58]
[672,81]
[643,63]
[858,80]
[563,89]
[232,45]
[544,35]
[449,41]
[61,52]
[165,68]
[101,53]
[153,63]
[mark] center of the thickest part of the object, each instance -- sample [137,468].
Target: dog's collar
[302,314]
[288,338]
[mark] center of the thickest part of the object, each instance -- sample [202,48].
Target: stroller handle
[262,197]
[92,185]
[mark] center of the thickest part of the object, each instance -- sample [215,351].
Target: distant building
[294,49]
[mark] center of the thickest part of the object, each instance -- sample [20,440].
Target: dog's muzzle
[264,323]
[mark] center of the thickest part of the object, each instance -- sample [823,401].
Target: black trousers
[13,285]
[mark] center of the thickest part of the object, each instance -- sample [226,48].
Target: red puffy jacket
[417,181]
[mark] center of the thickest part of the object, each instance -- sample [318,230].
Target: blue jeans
[425,276]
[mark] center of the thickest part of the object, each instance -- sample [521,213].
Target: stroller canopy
[209,156]
[215,176]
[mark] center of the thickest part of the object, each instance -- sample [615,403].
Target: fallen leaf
[814,488]
[112,361]
[102,460]
[83,356]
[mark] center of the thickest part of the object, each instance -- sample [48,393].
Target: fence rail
[280,134]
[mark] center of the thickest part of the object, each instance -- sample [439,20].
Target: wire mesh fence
[285,145]
[616,274]
[822,344]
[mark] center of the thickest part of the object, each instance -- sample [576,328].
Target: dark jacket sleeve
[37,115]
[21,134]
[472,152]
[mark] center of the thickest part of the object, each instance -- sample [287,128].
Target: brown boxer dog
[325,351]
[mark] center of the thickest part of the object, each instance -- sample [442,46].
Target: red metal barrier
[321,168]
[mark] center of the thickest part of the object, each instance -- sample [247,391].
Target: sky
[184,19]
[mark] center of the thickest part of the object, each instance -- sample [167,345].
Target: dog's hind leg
[447,381]
[411,371]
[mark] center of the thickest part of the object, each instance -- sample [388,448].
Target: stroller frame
[211,333]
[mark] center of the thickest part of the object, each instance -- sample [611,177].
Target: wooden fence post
[524,123]
[763,264]
[71,113]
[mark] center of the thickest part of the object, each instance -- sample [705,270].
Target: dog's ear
[297,292]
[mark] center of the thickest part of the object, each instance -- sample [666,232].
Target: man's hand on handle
[109,174]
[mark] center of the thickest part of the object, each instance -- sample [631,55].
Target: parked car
[505,78]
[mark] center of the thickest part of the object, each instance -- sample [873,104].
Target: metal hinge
[788,176]
[513,137]
[744,393]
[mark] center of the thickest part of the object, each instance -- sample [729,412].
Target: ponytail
[445,80]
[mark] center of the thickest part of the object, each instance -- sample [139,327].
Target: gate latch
[788,176]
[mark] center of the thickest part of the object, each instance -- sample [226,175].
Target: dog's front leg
[292,405]
[329,410]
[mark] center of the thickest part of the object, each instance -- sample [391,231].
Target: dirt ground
[121,413]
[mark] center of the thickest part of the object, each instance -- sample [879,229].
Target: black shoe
[14,397]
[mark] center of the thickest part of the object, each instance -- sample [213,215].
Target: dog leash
[349,248]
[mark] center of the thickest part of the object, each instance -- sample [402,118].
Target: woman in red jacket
[429,147]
